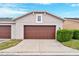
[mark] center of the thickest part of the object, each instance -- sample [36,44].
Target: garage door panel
[39,32]
[5,31]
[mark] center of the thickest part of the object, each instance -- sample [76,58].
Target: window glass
[39,18]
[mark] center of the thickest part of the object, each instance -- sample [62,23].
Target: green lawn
[72,44]
[8,44]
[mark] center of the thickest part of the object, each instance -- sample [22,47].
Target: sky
[13,10]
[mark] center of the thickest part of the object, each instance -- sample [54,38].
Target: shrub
[76,34]
[64,35]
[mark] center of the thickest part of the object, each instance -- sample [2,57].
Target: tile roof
[6,19]
[72,19]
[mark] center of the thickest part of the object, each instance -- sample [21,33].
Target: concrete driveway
[39,47]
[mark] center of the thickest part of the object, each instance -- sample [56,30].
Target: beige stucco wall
[31,20]
[70,24]
[7,22]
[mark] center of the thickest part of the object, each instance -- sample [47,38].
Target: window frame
[37,18]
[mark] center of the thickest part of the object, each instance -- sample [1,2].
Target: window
[39,18]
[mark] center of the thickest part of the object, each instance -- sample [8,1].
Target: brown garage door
[5,31]
[39,32]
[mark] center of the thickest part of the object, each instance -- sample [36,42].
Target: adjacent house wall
[71,24]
